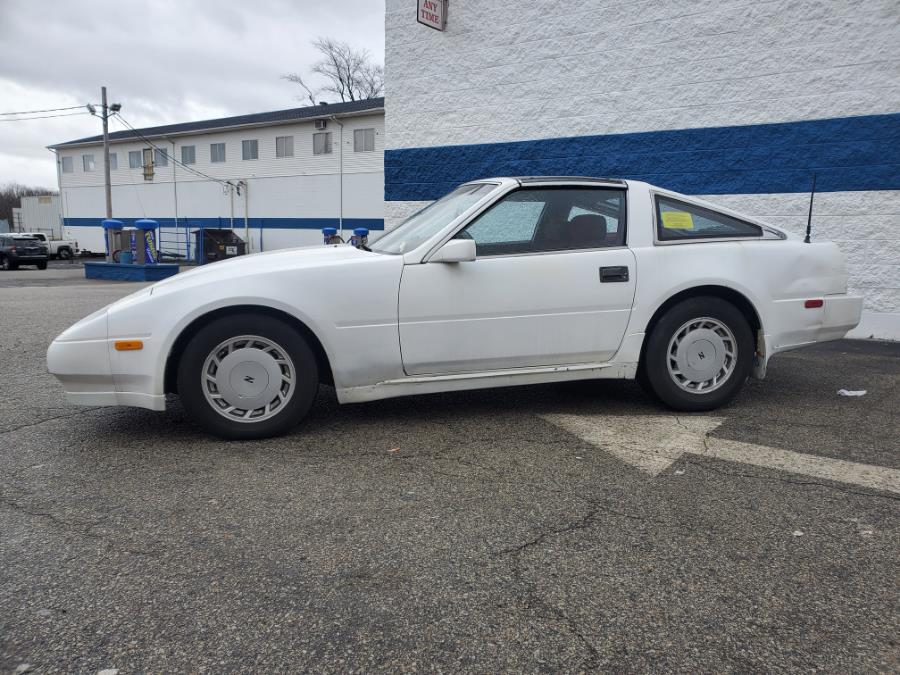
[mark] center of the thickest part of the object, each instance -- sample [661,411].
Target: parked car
[504,281]
[22,249]
[64,249]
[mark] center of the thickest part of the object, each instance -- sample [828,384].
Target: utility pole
[341,184]
[106,178]
[105,112]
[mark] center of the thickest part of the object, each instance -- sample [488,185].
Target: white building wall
[546,69]
[286,199]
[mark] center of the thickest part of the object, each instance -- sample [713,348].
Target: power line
[196,172]
[45,117]
[33,112]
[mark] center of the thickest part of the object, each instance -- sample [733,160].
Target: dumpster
[214,244]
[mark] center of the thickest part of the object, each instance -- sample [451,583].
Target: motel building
[276,178]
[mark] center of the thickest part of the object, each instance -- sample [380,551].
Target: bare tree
[11,196]
[343,70]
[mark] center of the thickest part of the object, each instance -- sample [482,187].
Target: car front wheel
[699,354]
[247,376]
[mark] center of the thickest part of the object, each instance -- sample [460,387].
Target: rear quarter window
[680,221]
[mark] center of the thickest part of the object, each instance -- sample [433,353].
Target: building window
[284,146]
[134,159]
[364,140]
[250,149]
[88,162]
[113,161]
[217,152]
[160,157]
[322,143]
[188,154]
[67,165]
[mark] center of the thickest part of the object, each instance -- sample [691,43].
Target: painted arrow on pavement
[652,443]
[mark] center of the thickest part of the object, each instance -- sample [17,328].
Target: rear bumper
[793,325]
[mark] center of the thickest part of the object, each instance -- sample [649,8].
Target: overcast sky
[163,60]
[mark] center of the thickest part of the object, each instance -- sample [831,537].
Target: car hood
[272,261]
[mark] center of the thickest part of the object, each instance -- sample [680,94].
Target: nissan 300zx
[504,281]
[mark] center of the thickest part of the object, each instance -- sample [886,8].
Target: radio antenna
[812,195]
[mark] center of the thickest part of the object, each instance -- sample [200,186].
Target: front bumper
[84,368]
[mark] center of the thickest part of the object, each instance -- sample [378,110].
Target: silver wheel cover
[702,355]
[248,378]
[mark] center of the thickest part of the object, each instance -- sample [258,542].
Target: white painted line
[652,443]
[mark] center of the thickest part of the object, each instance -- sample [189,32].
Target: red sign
[432,13]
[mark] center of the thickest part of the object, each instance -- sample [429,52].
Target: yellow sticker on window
[677,220]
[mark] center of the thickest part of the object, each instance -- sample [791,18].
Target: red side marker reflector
[813,304]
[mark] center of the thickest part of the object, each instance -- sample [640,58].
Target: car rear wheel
[698,355]
[7,265]
[42,265]
[247,376]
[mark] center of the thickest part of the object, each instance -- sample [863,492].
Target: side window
[679,221]
[539,220]
[509,226]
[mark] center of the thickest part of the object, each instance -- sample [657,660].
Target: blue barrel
[328,234]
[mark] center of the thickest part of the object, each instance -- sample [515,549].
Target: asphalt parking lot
[502,530]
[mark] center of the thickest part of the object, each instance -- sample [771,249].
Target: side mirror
[455,251]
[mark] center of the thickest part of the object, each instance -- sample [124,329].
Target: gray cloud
[164,60]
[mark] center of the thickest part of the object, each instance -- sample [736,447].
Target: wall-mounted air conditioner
[320,124]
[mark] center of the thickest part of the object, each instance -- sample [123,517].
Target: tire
[8,265]
[4,264]
[64,253]
[42,265]
[237,360]
[698,355]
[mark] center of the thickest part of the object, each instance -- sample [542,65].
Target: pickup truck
[57,248]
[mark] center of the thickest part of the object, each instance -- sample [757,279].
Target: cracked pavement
[453,532]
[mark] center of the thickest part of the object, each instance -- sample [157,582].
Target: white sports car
[504,281]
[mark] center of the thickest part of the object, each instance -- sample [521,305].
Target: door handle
[613,275]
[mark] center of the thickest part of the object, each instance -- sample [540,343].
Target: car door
[552,284]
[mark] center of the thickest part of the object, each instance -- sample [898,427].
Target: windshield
[424,224]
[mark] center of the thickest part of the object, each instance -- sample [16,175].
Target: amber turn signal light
[128,345]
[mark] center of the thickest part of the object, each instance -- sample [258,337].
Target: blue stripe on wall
[848,153]
[266,223]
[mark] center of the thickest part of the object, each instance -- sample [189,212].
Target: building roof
[323,110]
